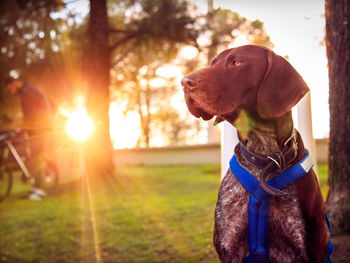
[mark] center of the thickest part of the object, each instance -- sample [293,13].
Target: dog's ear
[281,88]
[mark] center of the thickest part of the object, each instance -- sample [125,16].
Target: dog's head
[249,77]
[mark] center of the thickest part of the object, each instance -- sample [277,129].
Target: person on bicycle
[37,121]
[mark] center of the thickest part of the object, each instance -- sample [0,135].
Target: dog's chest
[286,224]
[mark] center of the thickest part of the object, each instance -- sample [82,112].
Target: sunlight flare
[79,125]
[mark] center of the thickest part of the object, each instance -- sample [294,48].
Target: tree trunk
[338,52]
[98,66]
[148,112]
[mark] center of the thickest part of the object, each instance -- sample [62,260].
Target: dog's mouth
[197,111]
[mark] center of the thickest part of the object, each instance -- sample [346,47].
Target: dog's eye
[235,63]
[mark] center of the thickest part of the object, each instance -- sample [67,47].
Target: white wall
[179,155]
[189,155]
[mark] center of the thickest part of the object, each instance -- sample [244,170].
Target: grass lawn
[143,214]
[323,177]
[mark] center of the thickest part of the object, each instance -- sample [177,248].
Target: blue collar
[259,203]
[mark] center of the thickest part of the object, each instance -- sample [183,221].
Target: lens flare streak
[88,192]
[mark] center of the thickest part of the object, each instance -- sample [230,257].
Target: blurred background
[152,45]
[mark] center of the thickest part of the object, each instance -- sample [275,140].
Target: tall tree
[98,66]
[338,52]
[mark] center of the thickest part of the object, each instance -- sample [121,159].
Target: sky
[297,29]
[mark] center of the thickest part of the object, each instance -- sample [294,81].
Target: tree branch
[117,31]
[125,39]
[126,53]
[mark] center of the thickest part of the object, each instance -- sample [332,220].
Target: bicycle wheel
[5,183]
[50,180]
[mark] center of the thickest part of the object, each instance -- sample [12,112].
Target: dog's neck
[268,136]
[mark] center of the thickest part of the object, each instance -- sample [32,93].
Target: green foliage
[148,33]
[27,31]
[41,45]
[222,25]
[172,124]
[143,41]
[146,39]
[24,31]
[323,179]
[45,42]
[257,24]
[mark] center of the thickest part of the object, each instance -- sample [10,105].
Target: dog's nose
[188,84]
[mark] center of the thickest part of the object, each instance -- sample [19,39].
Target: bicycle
[14,152]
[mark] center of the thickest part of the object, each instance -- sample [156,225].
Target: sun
[79,125]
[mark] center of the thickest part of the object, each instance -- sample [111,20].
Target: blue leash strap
[258,230]
[330,245]
[259,204]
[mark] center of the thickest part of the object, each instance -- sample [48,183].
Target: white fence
[187,155]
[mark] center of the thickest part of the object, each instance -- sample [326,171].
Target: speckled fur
[286,224]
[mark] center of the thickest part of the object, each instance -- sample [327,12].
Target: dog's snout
[188,83]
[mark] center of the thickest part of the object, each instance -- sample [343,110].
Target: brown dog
[253,85]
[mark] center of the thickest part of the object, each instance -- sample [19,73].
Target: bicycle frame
[5,138]
[11,158]
[18,159]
